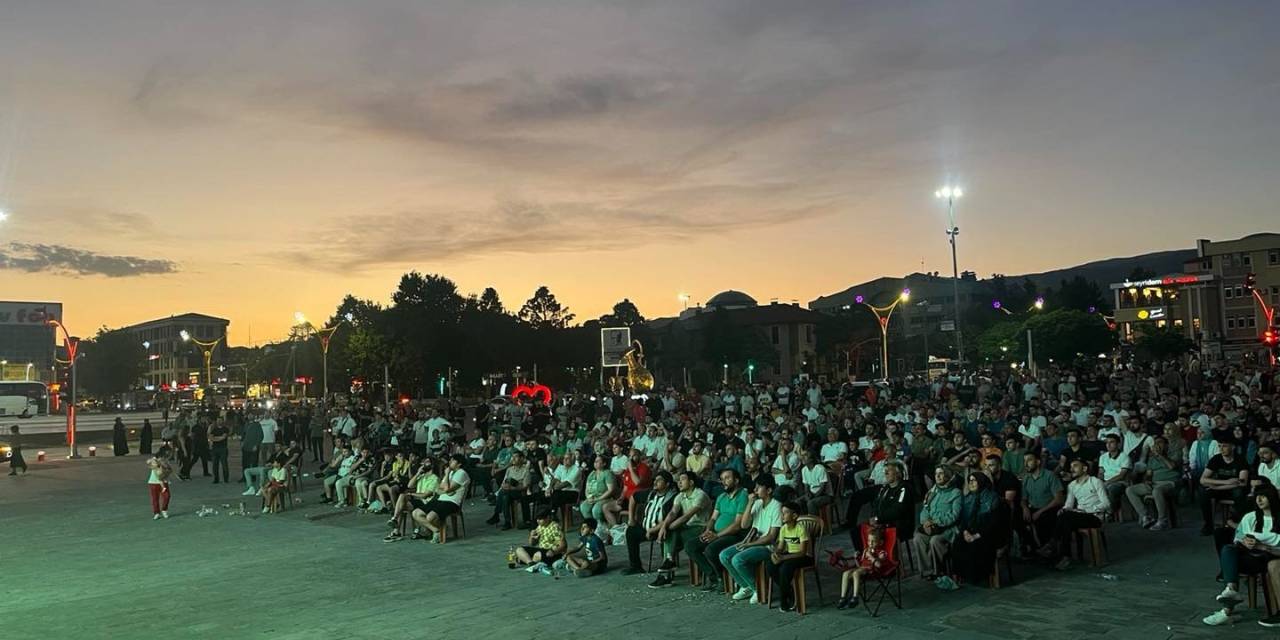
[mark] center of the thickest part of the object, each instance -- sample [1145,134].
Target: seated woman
[388,491]
[983,527]
[600,491]
[939,516]
[273,490]
[365,487]
[1256,543]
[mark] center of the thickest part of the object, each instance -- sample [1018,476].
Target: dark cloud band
[46,258]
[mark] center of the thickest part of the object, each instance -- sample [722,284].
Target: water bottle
[511,557]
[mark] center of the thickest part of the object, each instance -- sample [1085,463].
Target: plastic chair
[457,521]
[815,527]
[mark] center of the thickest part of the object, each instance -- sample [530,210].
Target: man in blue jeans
[765,517]
[723,530]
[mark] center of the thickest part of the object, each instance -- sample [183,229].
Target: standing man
[218,451]
[250,444]
[269,428]
[200,444]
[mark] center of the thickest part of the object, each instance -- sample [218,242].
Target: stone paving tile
[82,558]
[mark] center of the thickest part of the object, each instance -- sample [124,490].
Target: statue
[638,377]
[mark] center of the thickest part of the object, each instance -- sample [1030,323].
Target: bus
[23,399]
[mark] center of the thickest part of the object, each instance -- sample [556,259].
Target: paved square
[81,557]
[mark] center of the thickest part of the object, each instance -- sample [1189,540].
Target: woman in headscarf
[982,529]
[119,439]
[144,444]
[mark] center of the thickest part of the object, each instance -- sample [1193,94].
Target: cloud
[579,96]
[45,258]
[526,227]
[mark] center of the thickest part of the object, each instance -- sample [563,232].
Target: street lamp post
[882,315]
[325,335]
[73,344]
[207,348]
[951,194]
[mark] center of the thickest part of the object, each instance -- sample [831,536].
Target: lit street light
[325,335]
[207,348]
[951,194]
[883,314]
[73,344]
[684,301]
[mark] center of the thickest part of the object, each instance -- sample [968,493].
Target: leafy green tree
[113,362]
[1065,334]
[625,314]
[1002,341]
[1161,343]
[543,311]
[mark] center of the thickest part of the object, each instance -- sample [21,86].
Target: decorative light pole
[73,344]
[951,194]
[325,335]
[883,314]
[207,348]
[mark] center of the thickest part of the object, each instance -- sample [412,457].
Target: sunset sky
[247,159]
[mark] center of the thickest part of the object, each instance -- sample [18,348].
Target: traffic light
[1271,336]
[1250,280]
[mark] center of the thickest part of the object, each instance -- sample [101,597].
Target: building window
[1195,323]
[1240,291]
[1177,322]
[1231,323]
[774,331]
[1246,260]
[1273,257]
[1252,322]
[808,333]
[1235,259]
[1226,292]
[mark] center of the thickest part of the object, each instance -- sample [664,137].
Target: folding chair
[890,586]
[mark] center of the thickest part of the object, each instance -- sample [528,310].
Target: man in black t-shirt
[1225,477]
[218,451]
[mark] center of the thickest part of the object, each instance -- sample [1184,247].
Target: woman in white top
[1256,543]
[158,483]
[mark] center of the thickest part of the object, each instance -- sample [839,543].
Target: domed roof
[731,300]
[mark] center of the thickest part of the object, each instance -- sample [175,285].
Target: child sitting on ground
[546,545]
[872,562]
[589,557]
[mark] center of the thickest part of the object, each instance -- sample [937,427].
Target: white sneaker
[1147,521]
[1220,617]
[744,593]
[248,492]
[534,568]
[755,598]
[258,492]
[155,517]
[1161,525]
[266,509]
[164,514]
[1229,597]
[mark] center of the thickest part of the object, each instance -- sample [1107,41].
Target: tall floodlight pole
[951,194]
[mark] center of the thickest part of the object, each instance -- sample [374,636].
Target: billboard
[29,313]
[614,341]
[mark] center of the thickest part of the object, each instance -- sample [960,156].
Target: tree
[114,361]
[1003,341]
[625,314]
[367,352]
[543,311]
[1079,293]
[727,342]
[1161,343]
[490,303]
[1065,334]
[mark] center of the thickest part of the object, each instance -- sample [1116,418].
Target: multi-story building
[27,341]
[682,341]
[173,361]
[1210,301]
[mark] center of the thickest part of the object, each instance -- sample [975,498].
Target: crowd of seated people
[964,471]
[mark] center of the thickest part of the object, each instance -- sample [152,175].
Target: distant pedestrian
[119,439]
[158,482]
[144,444]
[200,445]
[15,452]
[218,450]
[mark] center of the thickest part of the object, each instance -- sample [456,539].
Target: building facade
[1210,301]
[682,342]
[173,361]
[27,342]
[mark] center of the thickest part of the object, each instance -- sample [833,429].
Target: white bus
[23,399]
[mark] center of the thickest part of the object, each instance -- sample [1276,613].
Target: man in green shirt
[721,530]
[684,523]
[1162,475]
[1042,496]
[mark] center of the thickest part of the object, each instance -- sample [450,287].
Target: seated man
[1225,477]
[256,477]
[341,462]
[683,524]
[892,504]
[762,519]
[421,490]
[1160,481]
[1087,505]
[589,558]
[1042,497]
[448,500]
[815,483]
[723,529]
[274,489]
[546,544]
[1114,468]
[361,468]
[513,490]
[649,524]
